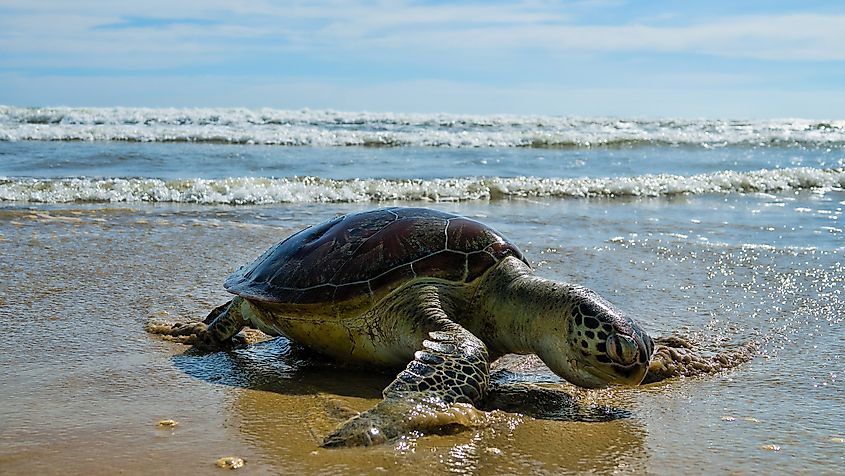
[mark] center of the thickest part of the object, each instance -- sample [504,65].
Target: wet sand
[83,387]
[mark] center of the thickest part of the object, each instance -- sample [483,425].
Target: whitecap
[339,129]
[262,190]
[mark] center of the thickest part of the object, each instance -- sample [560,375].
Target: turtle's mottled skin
[439,294]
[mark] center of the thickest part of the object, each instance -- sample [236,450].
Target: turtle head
[595,345]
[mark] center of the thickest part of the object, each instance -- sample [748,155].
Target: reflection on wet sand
[288,403]
[287,428]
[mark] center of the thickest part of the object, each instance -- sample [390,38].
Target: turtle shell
[371,253]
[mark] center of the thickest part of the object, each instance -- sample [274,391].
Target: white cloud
[774,37]
[55,33]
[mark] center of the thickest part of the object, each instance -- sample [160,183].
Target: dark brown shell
[371,253]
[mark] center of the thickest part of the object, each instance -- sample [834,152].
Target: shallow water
[83,386]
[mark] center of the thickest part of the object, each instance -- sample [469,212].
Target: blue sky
[737,59]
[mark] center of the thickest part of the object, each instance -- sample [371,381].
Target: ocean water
[720,231]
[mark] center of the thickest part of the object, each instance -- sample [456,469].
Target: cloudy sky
[714,58]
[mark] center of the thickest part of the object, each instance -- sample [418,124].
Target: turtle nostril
[622,349]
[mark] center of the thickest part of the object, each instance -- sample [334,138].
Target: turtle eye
[622,349]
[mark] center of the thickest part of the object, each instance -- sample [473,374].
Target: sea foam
[260,190]
[335,129]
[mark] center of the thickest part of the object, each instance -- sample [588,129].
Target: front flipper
[434,394]
[675,357]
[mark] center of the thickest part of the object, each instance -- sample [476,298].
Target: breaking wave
[258,190]
[335,129]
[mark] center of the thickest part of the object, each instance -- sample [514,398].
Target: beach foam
[260,190]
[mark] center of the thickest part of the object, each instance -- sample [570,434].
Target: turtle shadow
[281,366]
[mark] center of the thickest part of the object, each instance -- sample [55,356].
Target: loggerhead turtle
[441,295]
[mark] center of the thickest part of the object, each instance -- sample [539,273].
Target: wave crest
[338,129]
[259,190]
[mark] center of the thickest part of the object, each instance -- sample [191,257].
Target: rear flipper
[676,357]
[434,394]
[217,330]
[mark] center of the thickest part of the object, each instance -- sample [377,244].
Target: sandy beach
[84,387]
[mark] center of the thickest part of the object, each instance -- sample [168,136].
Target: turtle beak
[617,375]
[631,376]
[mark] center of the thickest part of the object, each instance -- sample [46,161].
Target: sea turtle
[441,295]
